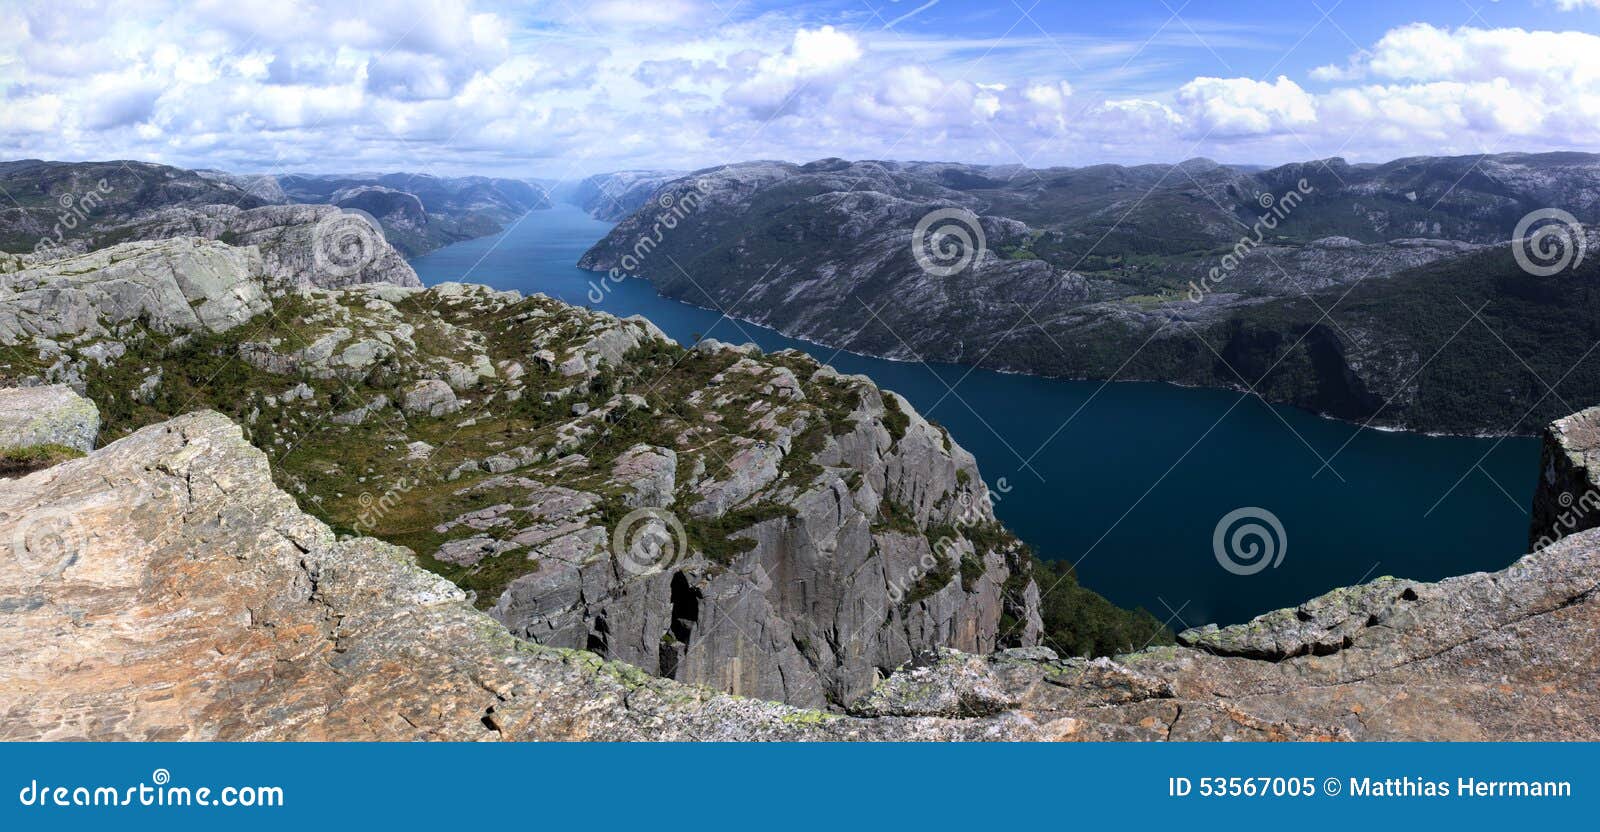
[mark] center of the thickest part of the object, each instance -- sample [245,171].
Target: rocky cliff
[753,522]
[162,588]
[1568,497]
[306,245]
[1196,273]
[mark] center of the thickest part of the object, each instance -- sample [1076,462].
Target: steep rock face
[164,589]
[843,576]
[1568,497]
[811,532]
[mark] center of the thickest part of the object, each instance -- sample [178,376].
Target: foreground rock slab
[1509,655]
[162,588]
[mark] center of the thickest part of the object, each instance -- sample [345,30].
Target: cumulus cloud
[1491,86]
[816,57]
[468,85]
[1242,107]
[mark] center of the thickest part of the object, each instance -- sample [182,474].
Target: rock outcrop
[755,523]
[1568,498]
[48,416]
[1502,656]
[163,589]
[300,245]
[168,287]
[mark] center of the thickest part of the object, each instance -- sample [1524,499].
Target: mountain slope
[1110,271]
[613,196]
[421,212]
[81,206]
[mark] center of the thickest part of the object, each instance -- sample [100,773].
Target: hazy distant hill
[86,205]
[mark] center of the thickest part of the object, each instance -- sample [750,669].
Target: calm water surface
[1129,480]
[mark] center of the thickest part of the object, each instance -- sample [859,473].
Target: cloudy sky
[564,88]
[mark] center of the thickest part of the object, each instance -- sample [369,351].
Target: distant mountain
[87,205]
[1111,271]
[420,212]
[76,203]
[613,196]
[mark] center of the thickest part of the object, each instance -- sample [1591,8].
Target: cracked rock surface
[164,589]
[1509,655]
[168,591]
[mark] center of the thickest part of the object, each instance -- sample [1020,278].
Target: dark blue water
[1129,480]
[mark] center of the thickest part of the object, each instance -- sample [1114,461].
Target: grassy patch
[15,462]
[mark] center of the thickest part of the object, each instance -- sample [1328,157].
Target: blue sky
[565,88]
[1182,40]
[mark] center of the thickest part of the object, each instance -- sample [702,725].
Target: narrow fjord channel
[1129,480]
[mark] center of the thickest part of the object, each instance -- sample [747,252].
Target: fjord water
[1129,480]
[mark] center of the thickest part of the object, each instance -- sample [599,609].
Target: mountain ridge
[1147,273]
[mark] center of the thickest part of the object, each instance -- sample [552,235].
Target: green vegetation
[15,462]
[894,419]
[714,536]
[931,581]
[1081,622]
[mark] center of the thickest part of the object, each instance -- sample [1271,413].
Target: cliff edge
[162,588]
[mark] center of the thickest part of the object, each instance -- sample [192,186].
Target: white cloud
[818,56]
[636,13]
[459,86]
[1498,88]
[1242,107]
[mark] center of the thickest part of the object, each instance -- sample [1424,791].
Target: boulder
[430,397]
[35,418]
